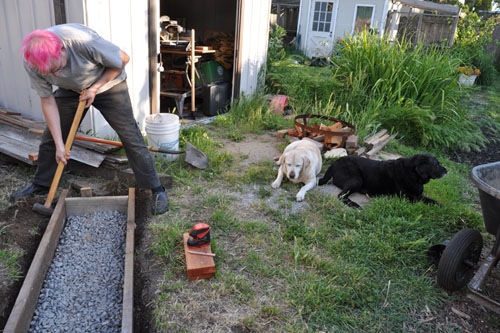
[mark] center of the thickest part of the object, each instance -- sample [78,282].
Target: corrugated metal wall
[124,22]
[18,18]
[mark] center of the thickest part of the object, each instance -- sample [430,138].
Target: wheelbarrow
[459,263]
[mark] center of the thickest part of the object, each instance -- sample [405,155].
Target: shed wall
[19,18]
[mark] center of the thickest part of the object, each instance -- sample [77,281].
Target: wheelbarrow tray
[487,179]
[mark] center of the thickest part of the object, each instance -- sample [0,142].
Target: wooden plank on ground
[128,278]
[20,121]
[86,156]
[24,307]
[20,135]
[23,145]
[198,266]
[17,149]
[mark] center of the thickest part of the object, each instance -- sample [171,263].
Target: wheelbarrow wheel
[459,259]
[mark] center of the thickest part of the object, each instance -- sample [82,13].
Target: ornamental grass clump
[412,90]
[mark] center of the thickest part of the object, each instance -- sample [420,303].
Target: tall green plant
[412,90]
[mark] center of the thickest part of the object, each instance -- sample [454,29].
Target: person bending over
[63,61]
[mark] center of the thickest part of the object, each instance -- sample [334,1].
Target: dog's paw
[300,196]
[276,184]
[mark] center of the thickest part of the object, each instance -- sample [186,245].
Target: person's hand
[88,96]
[62,155]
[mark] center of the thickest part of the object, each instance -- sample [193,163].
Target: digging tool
[46,209]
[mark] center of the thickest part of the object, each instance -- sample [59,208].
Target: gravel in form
[83,288]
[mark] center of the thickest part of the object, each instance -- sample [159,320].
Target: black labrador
[404,176]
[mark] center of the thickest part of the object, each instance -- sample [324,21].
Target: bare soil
[22,229]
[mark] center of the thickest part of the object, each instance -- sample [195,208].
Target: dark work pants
[115,106]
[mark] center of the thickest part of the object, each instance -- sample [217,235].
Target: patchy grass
[9,268]
[284,266]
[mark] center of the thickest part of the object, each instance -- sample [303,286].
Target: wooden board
[80,206]
[23,145]
[128,279]
[18,143]
[26,302]
[24,307]
[198,266]
[86,156]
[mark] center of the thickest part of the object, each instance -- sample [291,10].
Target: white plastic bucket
[162,130]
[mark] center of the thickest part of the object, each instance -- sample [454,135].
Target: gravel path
[83,289]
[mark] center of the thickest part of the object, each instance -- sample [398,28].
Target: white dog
[301,162]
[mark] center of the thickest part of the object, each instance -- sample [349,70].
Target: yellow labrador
[301,162]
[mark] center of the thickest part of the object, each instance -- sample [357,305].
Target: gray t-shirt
[88,56]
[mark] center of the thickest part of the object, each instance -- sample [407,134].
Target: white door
[321,25]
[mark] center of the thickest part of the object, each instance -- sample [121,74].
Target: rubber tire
[453,273]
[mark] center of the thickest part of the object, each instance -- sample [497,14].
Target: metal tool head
[43,210]
[196,157]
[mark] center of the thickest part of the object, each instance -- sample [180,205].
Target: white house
[135,27]
[322,23]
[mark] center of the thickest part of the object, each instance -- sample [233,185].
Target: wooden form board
[198,266]
[24,307]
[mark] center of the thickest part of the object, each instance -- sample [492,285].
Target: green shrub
[275,49]
[374,83]
[473,34]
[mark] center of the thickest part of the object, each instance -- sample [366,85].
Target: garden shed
[135,26]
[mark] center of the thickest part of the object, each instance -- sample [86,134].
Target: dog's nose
[292,174]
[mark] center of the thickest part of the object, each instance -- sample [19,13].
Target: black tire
[458,261]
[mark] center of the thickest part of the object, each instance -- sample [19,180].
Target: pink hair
[40,48]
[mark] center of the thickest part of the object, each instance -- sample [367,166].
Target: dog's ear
[280,160]
[422,165]
[306,162]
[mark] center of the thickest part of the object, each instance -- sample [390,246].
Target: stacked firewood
[223,44]
[374,143]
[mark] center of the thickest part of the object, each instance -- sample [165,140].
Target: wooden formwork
[24,307]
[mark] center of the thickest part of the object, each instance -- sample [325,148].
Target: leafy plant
[473,34]
[276,50]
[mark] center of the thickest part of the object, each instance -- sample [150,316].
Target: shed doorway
[208,89]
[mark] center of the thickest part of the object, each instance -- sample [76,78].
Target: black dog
[404,176]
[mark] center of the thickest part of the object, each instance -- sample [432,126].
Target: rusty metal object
[334,135]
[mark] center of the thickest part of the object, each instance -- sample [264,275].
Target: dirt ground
[22,229]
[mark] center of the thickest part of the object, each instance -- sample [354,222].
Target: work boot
[30,190]
[160,203]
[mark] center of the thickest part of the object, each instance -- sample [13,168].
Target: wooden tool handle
[193,70]
[67,146]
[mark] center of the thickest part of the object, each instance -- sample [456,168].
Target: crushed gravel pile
[83,289]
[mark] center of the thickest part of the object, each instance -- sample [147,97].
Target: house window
[322,20]
[363,19]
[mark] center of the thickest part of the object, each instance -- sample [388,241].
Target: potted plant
[468,75]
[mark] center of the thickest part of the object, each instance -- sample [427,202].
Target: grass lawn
[284,266]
